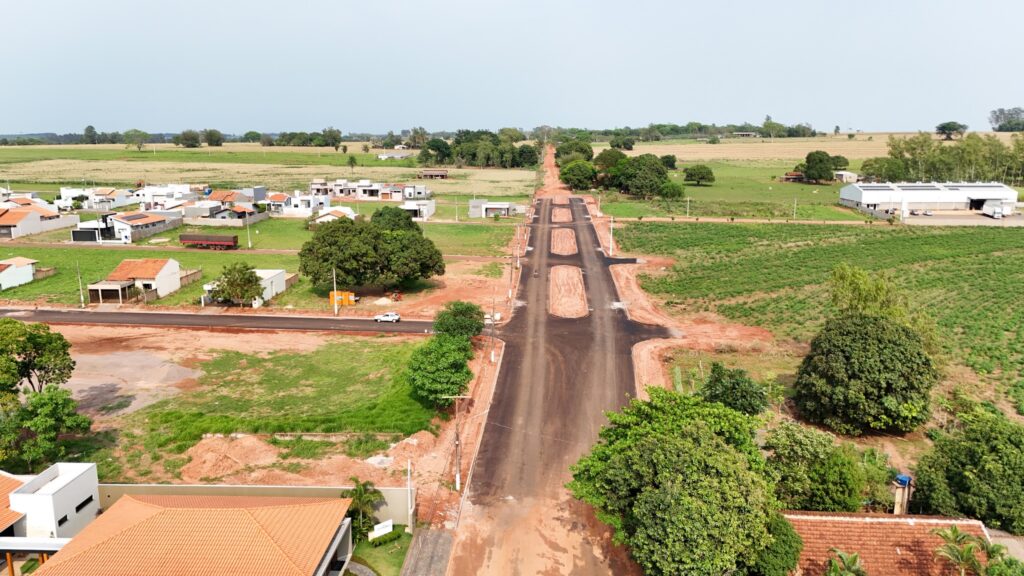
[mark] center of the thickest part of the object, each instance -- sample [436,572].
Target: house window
[83,504]
[63,520]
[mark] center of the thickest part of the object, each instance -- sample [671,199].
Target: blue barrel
[903,480]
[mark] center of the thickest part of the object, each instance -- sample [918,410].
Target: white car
[387,317]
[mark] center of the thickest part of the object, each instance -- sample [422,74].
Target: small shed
[433,174]
[16,271]
[846,177]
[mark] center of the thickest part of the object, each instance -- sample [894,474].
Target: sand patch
[567,296]
[563,241]
[560,200]
[561,215]
[125,380]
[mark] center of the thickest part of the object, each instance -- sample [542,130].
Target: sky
[373,66]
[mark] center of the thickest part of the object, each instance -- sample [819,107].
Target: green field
[350,385]
[470,239]
[385,560]
[968,279]
[230,154]
[744,190]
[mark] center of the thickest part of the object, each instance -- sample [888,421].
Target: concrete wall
[169,278]
[218,223]
[15,276]
[396,500]
[75,484]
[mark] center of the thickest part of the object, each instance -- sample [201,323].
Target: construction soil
[563,241]
[568,296]
[553,186]
[561,215]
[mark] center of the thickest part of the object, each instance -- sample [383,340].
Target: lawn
[385,560]
[350,385]
[272,233]
[471,239]
[967,279]
[742,190]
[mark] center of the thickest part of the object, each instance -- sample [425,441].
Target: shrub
[460,318]
[437,370]
[863,373]
[781,556]
[386,539]
[735,389]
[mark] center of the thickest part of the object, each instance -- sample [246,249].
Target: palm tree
[844,564]
[365,498]
[959,549]
[993,552]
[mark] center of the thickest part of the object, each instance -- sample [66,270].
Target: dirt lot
[863,146]
[561,215]
[563,241]
[568,297]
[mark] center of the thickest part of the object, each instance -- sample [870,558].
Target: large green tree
[641,176]
[661,492]
[976,471]
[238,283]
[437,370]
[331,137]
[578,175]
[213,137]
[188,139]
[30,433]
[951,129]
[608,158]
[866,372]
[699,174]
[818,167]
[571,148]
[89,135]
[32,357]
[365,253]
[135,138]
[460,318]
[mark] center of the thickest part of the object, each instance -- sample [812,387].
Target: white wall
[15,276]
[54,494]
[169,278]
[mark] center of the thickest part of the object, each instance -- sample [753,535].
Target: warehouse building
[903,197]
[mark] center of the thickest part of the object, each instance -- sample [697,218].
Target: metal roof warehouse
[925,195]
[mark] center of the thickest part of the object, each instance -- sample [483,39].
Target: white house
[420,210]
[57,503]
[336,213]
[298,205]
[16,271]
[906,196]
[132,226]
[273,282]
[416,192]
[481,208]
[96,198]
[846,177]
[17,222]
[134,275]
[154,196]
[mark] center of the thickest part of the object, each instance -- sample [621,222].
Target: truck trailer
[212,241]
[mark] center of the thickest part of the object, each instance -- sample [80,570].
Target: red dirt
[568,298]
[553,186]
[561,215]
[563,241]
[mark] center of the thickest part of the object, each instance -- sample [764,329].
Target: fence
[226,223]
[189,276]
[41,273]
[399,502]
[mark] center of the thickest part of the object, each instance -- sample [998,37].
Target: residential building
[273,282]
[420,210]
[433,174]
[906,196]
[888,545]
[58,502]
[137,278]
[201,208]
[334,214]
[188,535]
[130,227]
[32,219]
[152,197]
[16,271]
[480,208]
[319,186]
[846,177]
[298,205]
[416,192]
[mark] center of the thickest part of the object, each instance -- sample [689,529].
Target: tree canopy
[734,388]
[213,137]
[699,174]
[331,136]
[780,557]
[238,283]
[460,318]
[641,176]
[608,158]
[818,167]
[437,370]
[578,175]
[136,138]
[188,139]
[32,357]
[572,147]
[866,372]
[367,253]
[949,130]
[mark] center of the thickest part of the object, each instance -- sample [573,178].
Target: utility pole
[458,443]
[611,236]
[81,292]
[248,234]
[687,206]
[794,208]
[456,209]
[334,293]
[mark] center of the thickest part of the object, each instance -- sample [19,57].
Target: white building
[298,205]
[480,208]
[155,196]
[420,210]
[906,196]
[58,502]
[416,192]
[846,177]
[134,277]
[336,213]
[16,271]
[273,282]
[17,222]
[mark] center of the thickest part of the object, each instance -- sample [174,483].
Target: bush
[669,161]
[735,389]
[579,175]
[571,147]
[437,370]
[460,319]
[699,174]
[977,471]
[386,539]
[781,556]
[863,373]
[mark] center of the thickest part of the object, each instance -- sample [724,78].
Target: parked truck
[994,209]
[212,241]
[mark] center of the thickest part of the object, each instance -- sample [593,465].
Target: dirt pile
[567,295]
[563,241]
[219,456]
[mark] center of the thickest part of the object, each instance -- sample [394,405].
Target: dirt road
[559,378]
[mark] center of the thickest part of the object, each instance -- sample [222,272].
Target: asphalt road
[558,379]
[235,321]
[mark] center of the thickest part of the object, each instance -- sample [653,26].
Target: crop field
[742,190]
[349,385]
[967,279]
[864,145]
[45,168]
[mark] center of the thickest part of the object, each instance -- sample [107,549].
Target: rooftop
[138,218]
[133,269]
[19,261]
[13,216]
[888,545]
[8,484]
[203,536]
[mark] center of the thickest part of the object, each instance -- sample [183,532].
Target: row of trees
[36,414]
[1007,119]
[438,371]
[195,138]
[481,148]
[921,158]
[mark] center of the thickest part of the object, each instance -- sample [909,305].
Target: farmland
[774,276]
[744,190]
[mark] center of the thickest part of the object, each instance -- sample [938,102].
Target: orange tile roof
[8,516]
[203,536]
[22,201]
[223,195]
[37,208]
[147,218]
[13,216]
[133,269]
[278,197]
[242,209]
[888,545]
[4,266]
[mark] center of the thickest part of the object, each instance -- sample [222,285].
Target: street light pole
[458,443]
[248,234]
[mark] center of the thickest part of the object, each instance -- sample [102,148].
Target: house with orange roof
[334,214]
[16,271]
[130,227]
[136,278]
[31,219]
[888,545]
[210,536]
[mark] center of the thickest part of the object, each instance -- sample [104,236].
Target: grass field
[742,190]
[967,279]
[385,560]
[349,385]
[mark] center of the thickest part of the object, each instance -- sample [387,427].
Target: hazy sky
[374,65]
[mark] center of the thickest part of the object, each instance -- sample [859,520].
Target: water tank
[903,480]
